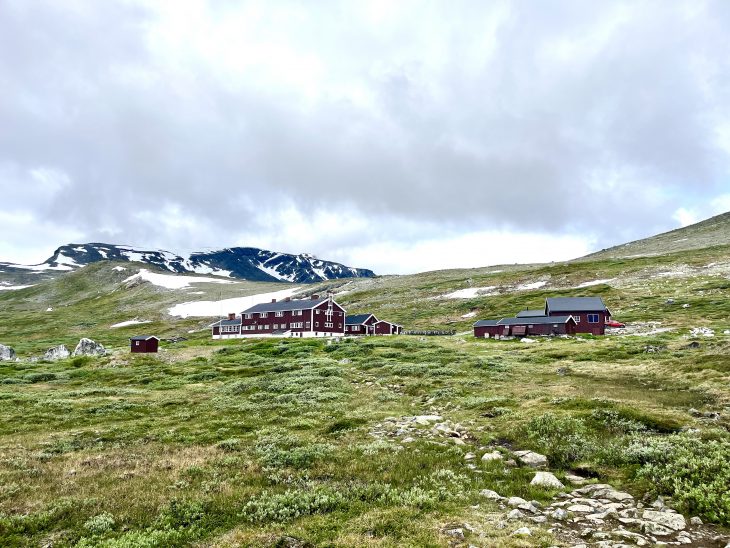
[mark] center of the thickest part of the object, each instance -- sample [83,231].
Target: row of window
[264,327]
[280,314]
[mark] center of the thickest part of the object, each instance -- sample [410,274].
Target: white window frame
[576,318]
[278,314]
[263,314]
[296,312]
[248,316]
[596,316]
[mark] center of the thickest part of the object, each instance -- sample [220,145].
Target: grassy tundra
[232,443]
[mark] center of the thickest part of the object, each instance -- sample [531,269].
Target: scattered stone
[491,495]
[670,301]
[693,345]
[559,514]
[527,340]
[655,529]
[6,353]
[580,509]
[702,332]
[427,419]
[470,456]
[456,532]
[522,532]
[87,347]
[516,501]
[59,352]
[409,439]
[515,514]
[575,480]
[547,479]
[531,459]
[685,305]
[494,455]
[695,520]
[666,519]
[562,371]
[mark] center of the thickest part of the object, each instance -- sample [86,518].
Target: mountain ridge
[247,263]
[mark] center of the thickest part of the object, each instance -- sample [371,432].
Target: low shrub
[695,473]
[100,524]
[564,440]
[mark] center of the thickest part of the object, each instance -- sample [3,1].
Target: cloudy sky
[399,136]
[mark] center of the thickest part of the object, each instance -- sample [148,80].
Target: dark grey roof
[143,338]
[237,321]
[531,313]
[539,320]
[357,319]
[485,323]
[283,306]
[575,304]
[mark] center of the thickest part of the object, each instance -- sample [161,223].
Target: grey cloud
[577,117]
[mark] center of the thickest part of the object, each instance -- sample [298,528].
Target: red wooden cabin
[144,344]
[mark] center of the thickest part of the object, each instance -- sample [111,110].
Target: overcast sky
[394,135]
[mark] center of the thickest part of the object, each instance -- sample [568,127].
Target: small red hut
[144,344]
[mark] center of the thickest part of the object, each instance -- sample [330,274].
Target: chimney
[315,297]
[273,300]
[231,315]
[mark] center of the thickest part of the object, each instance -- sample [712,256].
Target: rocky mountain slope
[246,263]
[708,233]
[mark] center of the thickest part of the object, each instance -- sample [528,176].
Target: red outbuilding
[144,344]
[360,324]
[381,327]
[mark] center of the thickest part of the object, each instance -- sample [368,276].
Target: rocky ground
[580,516]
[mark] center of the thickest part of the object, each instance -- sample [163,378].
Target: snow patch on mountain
[171,282]
[129,322]
[223,307]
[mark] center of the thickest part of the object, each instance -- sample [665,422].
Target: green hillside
[708,233]
[309,442]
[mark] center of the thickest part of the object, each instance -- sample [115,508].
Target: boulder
[491,495]
[6,353]
[522,532]
[670,520]
[515,514]
[59,352]
[516,501]
[531,459]
[546,479]
[494,455]
[87,347]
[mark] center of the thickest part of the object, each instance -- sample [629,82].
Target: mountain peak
[247,263]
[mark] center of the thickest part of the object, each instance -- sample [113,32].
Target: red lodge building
[314,317]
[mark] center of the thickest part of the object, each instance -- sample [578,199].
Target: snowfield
[595,282]
[129,322]
[470,292]
[169,281]
[208,309]
[5,286]
[533,285]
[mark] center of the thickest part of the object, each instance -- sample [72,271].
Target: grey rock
[87,347]
[470,456]
[695,520]
[515,514]
[675,522]
[580,509]
[532,459]
[516,501]
[494,455]
[491,495]
[559,514]
[59,352]
[6,353]
[547,479]
[522,532]
[456,532]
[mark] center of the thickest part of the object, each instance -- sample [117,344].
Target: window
[530,325]
[296,325]
[263,315]
[229,329]
[260,327]
[576,318]
[296,313]
[283,326]
[276,326]
[136,343]
[555,325]
[592,318]
[317,311]
[308,325]
[316,324]
[278,314]
[248,316]
[328,324]
[339,325]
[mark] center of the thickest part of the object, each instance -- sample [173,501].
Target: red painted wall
[150,345]
[582,320]
[316,318]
